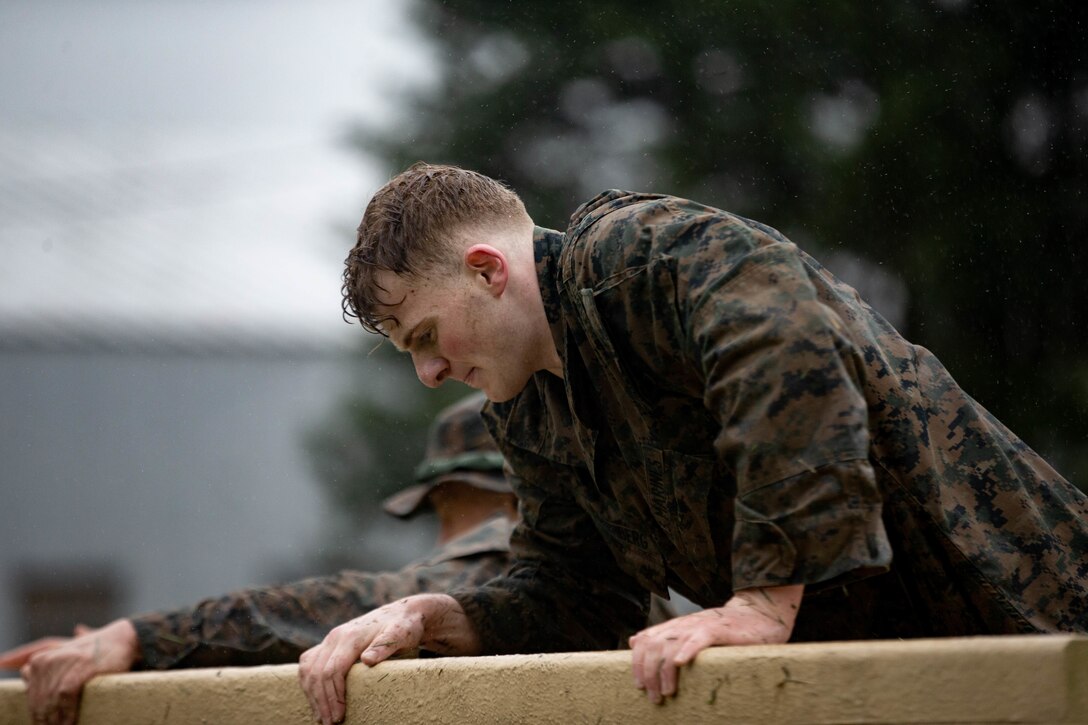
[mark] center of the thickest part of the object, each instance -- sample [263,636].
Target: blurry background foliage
[931,151]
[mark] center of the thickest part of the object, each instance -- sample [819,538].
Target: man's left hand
[763,615]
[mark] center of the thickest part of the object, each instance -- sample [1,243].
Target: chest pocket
[673,488]
[632,545]
[678,490]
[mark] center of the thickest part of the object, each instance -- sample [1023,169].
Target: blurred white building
[175,204]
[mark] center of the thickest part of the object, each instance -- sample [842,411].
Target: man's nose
[432,371]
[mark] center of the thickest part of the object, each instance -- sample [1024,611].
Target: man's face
[455,329]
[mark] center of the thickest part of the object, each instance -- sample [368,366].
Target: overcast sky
[178,163]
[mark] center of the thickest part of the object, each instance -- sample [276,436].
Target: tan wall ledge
[1037,679]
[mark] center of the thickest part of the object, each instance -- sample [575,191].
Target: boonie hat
[459,448]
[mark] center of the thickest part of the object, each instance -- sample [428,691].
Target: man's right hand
[434,621]
[56,668]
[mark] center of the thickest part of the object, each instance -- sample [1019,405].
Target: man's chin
[496,396]
[501,395]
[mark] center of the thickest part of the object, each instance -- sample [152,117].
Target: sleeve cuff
[157,647]
[820,528]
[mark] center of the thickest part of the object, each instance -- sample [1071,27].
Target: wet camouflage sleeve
[564,591]
[273,625]
[784,383]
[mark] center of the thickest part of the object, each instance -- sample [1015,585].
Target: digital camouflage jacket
[274,625]
[733,416]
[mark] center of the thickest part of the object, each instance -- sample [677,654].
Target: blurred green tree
[936,147]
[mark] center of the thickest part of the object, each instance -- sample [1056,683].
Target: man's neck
[460,516]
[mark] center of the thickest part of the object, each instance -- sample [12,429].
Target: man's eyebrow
[390,333]
[410,337]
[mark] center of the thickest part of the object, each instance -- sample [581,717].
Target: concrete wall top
[1038,679]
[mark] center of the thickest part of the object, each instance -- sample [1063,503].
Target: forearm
[228,631]
[447,630]
[777,604]
[268,625]
[117,641]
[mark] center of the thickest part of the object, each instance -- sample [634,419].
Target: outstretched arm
[434,622]
[272,625]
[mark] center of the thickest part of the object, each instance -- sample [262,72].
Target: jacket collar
[604,203]
[547,246]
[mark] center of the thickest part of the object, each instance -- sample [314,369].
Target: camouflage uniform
[276,624]
[732,416]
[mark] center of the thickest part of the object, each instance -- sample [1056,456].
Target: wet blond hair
[408,229]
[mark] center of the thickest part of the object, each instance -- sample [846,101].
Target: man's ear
[489,266]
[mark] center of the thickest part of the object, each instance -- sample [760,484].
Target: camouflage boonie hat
[459,448]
